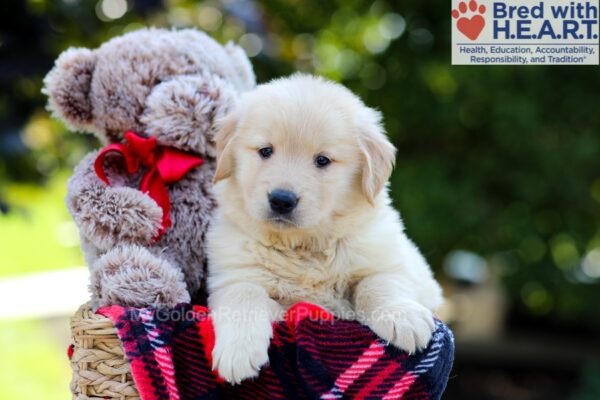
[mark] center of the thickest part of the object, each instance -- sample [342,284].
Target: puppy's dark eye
[322,161]
[265,152]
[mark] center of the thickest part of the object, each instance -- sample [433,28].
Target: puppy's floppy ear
[378,153]
[223,140]
[68,87]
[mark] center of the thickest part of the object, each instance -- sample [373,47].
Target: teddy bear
[142,204]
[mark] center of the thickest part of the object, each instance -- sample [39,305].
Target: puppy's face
[302,151]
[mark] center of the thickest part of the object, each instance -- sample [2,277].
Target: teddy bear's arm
[107,215]
[157,282]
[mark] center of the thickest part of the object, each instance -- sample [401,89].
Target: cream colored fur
[345,249]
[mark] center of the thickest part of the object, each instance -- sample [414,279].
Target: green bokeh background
[500,161]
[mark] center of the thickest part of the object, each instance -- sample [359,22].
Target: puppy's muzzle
[282,201]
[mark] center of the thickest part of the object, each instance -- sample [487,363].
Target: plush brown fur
[172,85]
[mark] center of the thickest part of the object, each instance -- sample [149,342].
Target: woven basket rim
[100,368]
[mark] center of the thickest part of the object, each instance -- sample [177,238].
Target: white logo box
[523,32]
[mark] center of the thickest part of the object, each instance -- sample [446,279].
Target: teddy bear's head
[169,84]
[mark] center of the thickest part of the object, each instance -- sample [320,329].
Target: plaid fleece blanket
[312,356]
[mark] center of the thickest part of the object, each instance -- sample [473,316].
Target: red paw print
[470,27]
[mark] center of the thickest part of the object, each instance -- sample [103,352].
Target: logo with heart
[470,27]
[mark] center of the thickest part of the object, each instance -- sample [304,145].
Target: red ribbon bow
[163,165]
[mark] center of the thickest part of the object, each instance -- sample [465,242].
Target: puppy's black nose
[282,201]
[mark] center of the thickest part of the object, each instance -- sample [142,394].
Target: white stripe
[426,365]
[433,358]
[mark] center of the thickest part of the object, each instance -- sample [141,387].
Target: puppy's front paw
[407,325]
[240,351]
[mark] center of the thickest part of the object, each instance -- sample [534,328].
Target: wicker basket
[100,369]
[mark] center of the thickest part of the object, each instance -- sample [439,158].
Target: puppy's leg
[242,315]
[385,304]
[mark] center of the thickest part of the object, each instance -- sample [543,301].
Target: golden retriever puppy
[304,215]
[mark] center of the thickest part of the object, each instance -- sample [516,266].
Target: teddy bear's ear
[182,111]
[245,78]
[67,86]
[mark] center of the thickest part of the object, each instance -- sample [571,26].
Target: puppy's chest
[299,274]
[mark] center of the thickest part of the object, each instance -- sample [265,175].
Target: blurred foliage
[590,385]
[500,161]
[34,364]
[38,218]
